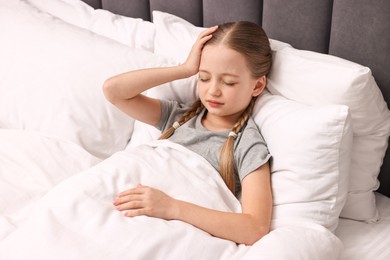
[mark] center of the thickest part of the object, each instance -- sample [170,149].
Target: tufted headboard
[357,30]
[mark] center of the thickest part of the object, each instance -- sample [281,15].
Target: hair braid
[195,109]
[244,117]
[226,161]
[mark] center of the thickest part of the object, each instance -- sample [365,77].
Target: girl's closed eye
[204,79]
[231,84]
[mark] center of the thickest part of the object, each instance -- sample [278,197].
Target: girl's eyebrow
[223,74]
[230,75]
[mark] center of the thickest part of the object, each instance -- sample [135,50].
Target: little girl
[232,61]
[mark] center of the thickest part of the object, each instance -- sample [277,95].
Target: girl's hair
[251,41]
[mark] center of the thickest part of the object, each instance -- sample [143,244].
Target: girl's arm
[243,228]
[124,90]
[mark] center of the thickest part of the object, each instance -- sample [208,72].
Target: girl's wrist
[186,71]
[176,209]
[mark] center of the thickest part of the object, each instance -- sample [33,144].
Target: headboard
[357,30]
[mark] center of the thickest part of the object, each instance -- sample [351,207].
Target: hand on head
[193,60]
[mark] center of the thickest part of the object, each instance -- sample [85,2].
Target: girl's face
[225,86]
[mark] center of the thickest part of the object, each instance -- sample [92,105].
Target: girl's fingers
[208,31]
[206,35]
[128,192]
[131,195]
[203,40]
[127,198]
[137,190]
[135,213]
[130,205]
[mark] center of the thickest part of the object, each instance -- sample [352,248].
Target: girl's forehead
[221,59]
[220,51]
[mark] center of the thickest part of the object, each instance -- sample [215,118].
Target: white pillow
[175,36]
[310,148]
[133,32]
[51,78]
[318,79]
[314,79]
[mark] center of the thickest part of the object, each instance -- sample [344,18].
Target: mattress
[367,241]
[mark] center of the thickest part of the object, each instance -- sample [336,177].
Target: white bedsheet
[76,218]
[367,241]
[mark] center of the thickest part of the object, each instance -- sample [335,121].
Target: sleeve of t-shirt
[170,112]
[251,152]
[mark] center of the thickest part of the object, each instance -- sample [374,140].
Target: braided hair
[194,110]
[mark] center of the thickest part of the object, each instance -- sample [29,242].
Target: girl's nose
[214,88]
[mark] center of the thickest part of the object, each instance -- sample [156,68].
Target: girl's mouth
[214,103]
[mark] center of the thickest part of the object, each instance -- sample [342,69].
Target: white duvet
[30,165]
[76,219]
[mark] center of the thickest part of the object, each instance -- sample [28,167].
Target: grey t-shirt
[250,149]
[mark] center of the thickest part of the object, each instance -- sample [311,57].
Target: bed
[65,151]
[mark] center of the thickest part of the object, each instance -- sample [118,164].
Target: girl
[232,61]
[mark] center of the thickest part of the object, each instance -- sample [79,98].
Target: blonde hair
[250,40]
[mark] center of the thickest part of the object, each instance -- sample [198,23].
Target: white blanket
[76,218]
[30,165]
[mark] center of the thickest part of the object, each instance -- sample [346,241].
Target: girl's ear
[260,86]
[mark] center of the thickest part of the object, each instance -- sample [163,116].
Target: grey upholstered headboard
[357,30]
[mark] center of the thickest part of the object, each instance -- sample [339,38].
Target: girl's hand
[193,60]
[144,200]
